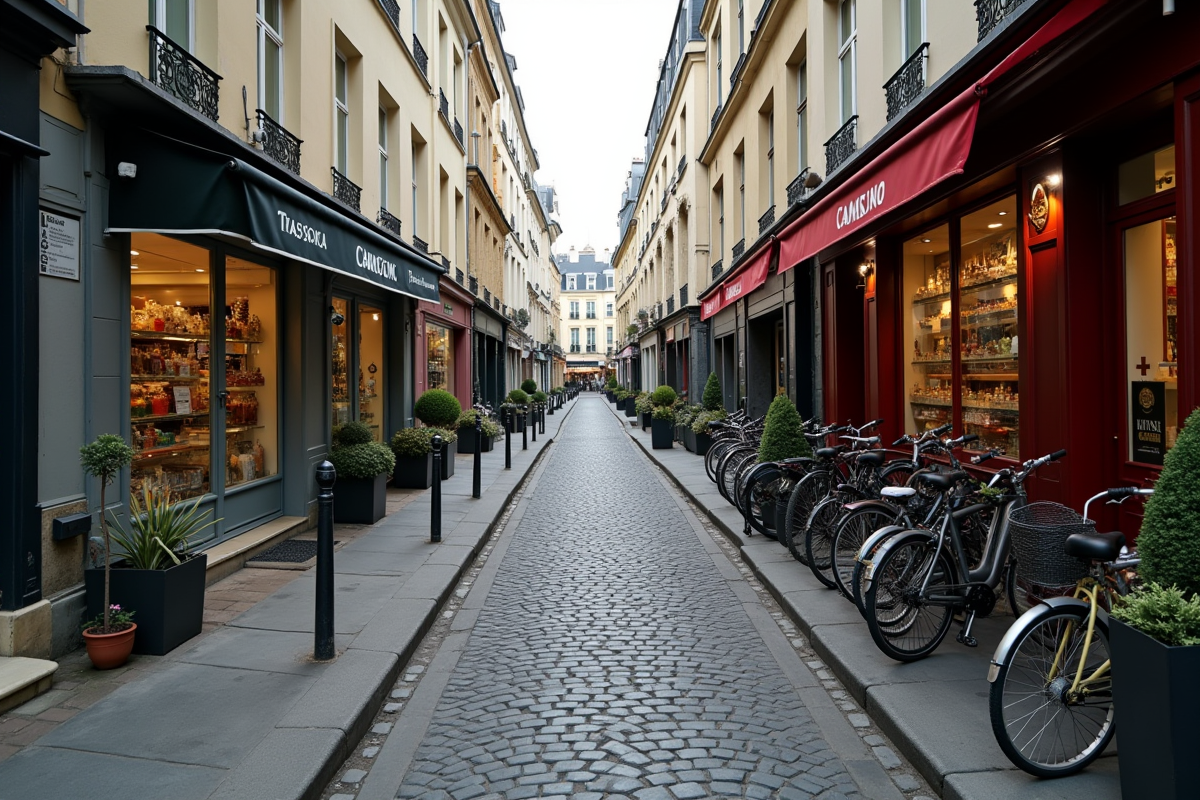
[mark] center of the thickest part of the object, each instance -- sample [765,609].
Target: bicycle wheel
[722,465]
[852,531]
[818,538]
[1041,725]
[759,497]
[808,492]
[713,457]
[903,623]
[897,473]
[739,481]
[731,465]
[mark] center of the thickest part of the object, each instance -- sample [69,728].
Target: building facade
[588,327]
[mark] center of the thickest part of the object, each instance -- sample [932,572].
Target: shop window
[441,358]
[251,373]
[371,369]
[1150,340]
[341,361]
[979,368]
[780,360]
[1146,175]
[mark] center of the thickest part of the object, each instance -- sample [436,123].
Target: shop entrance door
[358,364]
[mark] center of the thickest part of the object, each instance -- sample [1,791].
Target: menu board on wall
[1149,422]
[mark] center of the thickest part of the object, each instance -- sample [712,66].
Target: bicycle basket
[1038,533]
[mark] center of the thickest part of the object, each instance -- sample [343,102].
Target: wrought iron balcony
[421,56]
[458,132]
[387,220]
[737,71]
[573,315]
[716,268]
[682,167]
[473,284]
[459,277]
[420,244]
[575,348]
[446,263]
[487,296]
[795,189]
[671,304]
[496,303]
[908,83]
[591,315]
[444,106]
[591,348]
[766,221]
[392,9]
[990,13]
[278,143]
[345,189]
[739,249]
[663,205]
[178,72]
[841,145]
[716,114]
[683,295]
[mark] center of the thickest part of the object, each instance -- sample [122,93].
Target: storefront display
[370,369]
[441,358]
[341,361]
[360,400]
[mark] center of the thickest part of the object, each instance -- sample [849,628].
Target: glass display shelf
[163,336]
[163,417]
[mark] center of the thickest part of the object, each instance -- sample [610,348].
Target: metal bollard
[508,418]
[542,419]
[323,644]
[532,421]
[435,504]
[476,480]
[525,432]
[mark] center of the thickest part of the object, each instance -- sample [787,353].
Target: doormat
[291,554]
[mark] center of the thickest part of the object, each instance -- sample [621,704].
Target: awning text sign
[740,285]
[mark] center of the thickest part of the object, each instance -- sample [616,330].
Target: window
[741,163]
[270,58]
[608,281]
[574,340]
[574,309]
[741,27]
[802,115]
[571,283]
[591,309]
[720,82]
[415,192]
[341,129]
[980,369]
[721,222]
[440,356]
[591,340]
[591,281]
[383,158]
[770,159]
[608,309]
[912,25]
[847,53]
[174,18]
[609,333]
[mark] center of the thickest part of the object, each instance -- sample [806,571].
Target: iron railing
[278,143]
[575,348]
[389,221]
[716,268]
[683,295]
[990,13]
[591,348]
[473,284]
[682,167]
[181,74]
[737,71]
[496,303]
[420,244]
[712,126]
[766,221]
[487,296]
[444,106]
[841,145]
[795,189]
[458,132]
[392,9]
[663,205]
[739,249]
[446,263]
[345,189]
[459,277]
[421,56]
[671,304]
[908,83]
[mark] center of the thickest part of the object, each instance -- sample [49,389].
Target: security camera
[335,316]
[126,169]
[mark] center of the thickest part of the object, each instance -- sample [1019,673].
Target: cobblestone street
[614,657]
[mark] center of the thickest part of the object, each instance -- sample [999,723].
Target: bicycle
[1050,699]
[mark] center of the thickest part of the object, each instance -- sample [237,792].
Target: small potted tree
[715,406]
[414,458]
[783,437]
[363,466]
[518,403]
[1155,636]
[437,408]
[662,424]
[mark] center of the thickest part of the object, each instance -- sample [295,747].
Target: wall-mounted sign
[1039,208]
[1149,422]
[58,246]
[449,309]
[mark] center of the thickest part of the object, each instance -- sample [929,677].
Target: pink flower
[115,607]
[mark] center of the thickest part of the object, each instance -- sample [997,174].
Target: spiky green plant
[160,529]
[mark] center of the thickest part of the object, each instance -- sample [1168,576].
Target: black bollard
[533,415]
[435,504]
[508,418]
[542,419]
[323,644]
[476,480]
[525,432]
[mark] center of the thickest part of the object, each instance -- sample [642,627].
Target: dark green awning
[180,189]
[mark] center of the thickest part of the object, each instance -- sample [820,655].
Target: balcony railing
[496,303]
[990,13]
[737,71]
[671,304]
[683,295]
[591,315]
[766,221]
[841,145]
[278,143]
[444,106]
[908,83]
[795,189]
[487,296]
[392,9]
[682,167]
[459,277]
[178,72]
[716,268]
[421,56]
[473,284]
[663,205]
[573,315]
[345,189]
[389,221]
[420,244]
[712,125]
[591,348]
[739,249]
[458,132]
[575,348]
[446,263]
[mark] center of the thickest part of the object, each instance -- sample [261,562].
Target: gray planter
[449,451]
[703,442]
[413,472]
[466,440]
[168,603]
[661,437]
[360,501]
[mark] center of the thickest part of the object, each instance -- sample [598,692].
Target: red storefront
[1022,262]
[443,342]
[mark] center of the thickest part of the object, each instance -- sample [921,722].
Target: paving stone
[353,775]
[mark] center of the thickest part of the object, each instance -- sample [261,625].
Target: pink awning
[744,281]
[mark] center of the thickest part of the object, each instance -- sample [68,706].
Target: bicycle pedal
[969,641]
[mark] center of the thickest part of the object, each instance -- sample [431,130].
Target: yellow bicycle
[1051,684]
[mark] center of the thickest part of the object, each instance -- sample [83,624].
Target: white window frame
[770,159]
[610,334]
[383,157]
[608,309]
[160,22]
[571,283]
[905,49]
[720,74]
[341,115]
[802,115]
[848,49]
[590,309]
[591,281]
[267,31]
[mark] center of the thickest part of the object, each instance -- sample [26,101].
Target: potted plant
[157,575]
[104,459]
[437,408]
[783,437]
[631,404]
[413,452]
[700,429]
[449,448]
[363,466]
[662,434]
[711,399]
[1154,636]
[684,417]
[465,427]
[643,407]
[518,402]
[491,432]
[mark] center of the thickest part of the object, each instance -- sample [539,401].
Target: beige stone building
[588,326]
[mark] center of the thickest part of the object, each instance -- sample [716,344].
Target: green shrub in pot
[700,423]
[491,429]
[539,397]
[663,396]
[160,528]
[411,443]
[642,403]
[783,434]
[529,386]
[1169,541]
[1165,614]
[518,397]
[711,399]
[663,414]
[437,408]
[352,433]
[362,461]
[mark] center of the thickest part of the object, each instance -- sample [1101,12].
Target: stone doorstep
[231,555]
[22,679]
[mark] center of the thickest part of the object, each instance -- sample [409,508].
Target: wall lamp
[865,271]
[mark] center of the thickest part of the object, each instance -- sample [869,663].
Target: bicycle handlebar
[982,457]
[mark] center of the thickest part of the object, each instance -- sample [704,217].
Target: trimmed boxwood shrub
[417,442]
[437,408]
[712,393]
[352,433]
[1169,542]
[518,397]
[783,435]
[539,397]
[700,423]
[663,396]
[362,461]
[663,414]
[612,382]
[529,386]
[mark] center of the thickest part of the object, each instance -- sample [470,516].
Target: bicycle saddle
[898,492]
[941,481]
[1095,546]
[717,424]
[826,452]
[871,458]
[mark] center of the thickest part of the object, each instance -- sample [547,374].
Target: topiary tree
[518,397]
[529,386]
[711,399]
[104,459]
[539,397]
[663,396]
[437,408]
[1169,542]
[783,434]
[612,382]
[351,433]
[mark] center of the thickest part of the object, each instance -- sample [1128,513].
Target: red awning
[746,280]
[933,151]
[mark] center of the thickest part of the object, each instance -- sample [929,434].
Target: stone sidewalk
[242,711]
[934,710]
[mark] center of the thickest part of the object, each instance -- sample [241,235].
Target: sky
[587,70]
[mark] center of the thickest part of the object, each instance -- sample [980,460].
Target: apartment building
[588,327]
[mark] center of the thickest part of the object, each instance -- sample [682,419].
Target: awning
[744,281]
[188,190]
[629,352]
[936,149]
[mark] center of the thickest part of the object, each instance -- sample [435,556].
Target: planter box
[660,434]
[449,451]
[703,442]
[1156,710]
[646,420]
[466,440]
[360,501]
[488,444]
[412,472]
[169,603]
[631,407]
[689,439]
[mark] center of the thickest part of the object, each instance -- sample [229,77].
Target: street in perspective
[478,400]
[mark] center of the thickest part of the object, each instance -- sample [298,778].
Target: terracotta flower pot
[109,650]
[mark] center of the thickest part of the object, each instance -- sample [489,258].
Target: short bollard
[435,500]
[508,423]
[542,419]
[476,479]
[525,432]
[323,644]
[532,421]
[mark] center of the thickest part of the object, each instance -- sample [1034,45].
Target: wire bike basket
[1038,533]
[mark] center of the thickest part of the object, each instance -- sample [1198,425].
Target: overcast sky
[587,70]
